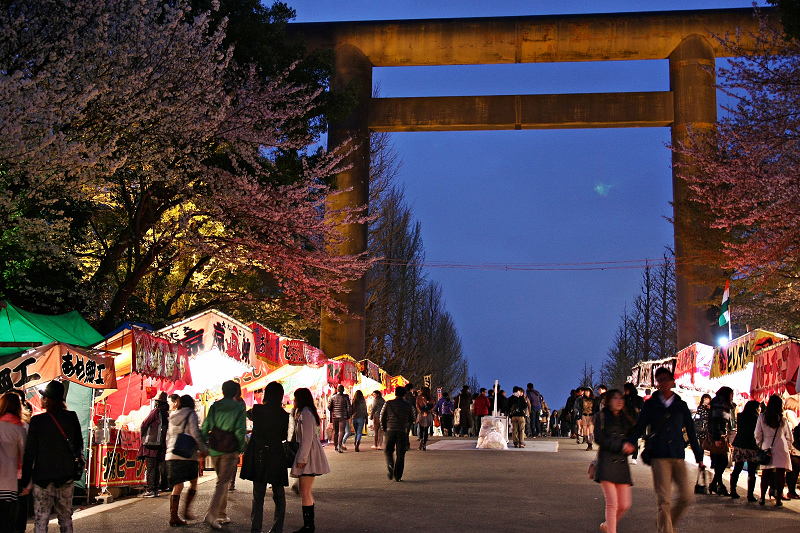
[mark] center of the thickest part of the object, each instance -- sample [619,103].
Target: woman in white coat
[772,432]
[12,448]
[310,460]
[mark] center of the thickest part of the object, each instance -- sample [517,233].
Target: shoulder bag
[80,461]
[764,457]
[220,439]
[185,445]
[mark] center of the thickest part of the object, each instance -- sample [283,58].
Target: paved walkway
[463,490]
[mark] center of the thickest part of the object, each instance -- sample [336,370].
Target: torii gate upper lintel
[682,37]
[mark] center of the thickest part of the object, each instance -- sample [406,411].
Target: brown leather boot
[187,513]
[174,501]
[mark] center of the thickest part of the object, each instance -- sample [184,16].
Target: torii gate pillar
[347,334]
[692,82]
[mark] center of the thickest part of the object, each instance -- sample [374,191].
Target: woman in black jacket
[744,448]
[719,423]
[264,461]
[611,427]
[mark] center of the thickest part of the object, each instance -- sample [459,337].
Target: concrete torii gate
[683,37]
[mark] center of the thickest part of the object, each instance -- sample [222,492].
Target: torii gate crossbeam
[685,38]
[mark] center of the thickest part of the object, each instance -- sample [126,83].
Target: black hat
[54,391]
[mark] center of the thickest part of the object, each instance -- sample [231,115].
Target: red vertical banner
[334,373]
[266,345]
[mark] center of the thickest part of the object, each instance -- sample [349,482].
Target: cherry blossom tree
[746,175]
[137,155]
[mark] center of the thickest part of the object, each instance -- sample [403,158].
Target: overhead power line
[584,266]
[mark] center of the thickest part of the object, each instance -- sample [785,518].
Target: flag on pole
[725,311]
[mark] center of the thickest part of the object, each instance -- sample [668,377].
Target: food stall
[775,370]
[146,364]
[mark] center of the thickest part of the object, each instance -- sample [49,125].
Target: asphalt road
[453,490]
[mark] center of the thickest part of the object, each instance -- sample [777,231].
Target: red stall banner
[314,356]
[386,383]
[267,345]
[292,352]
[775,371]
[349,373]
[370,369]
[687,362]
[156,357]
[334,372]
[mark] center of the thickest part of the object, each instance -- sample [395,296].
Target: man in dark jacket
[397,418]
[54,441]
[667,415]
[534,427]
[340,410]
[518,410]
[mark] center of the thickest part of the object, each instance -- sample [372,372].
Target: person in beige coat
[772,432]
[310,460]
[179,468]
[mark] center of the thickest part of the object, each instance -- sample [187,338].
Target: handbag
[764,457]
[701,483]
[592,467]
[457,417]
[710,444]
[290,448]
[185,445]
[80,460]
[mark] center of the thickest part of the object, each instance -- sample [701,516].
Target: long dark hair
[303,399]
[773,414]
[750,410]
[358,398]
[724,395]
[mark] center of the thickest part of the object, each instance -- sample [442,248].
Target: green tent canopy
[18,326]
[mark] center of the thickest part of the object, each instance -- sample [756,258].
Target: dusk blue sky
[524,197]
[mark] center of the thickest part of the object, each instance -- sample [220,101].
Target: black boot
[308,520]
[751,487]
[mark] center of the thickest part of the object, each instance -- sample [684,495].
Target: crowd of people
[38,454]
[760,437]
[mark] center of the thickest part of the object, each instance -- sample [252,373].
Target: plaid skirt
[741,455]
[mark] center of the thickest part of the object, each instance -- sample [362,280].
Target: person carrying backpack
[444,410]
[153,447]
